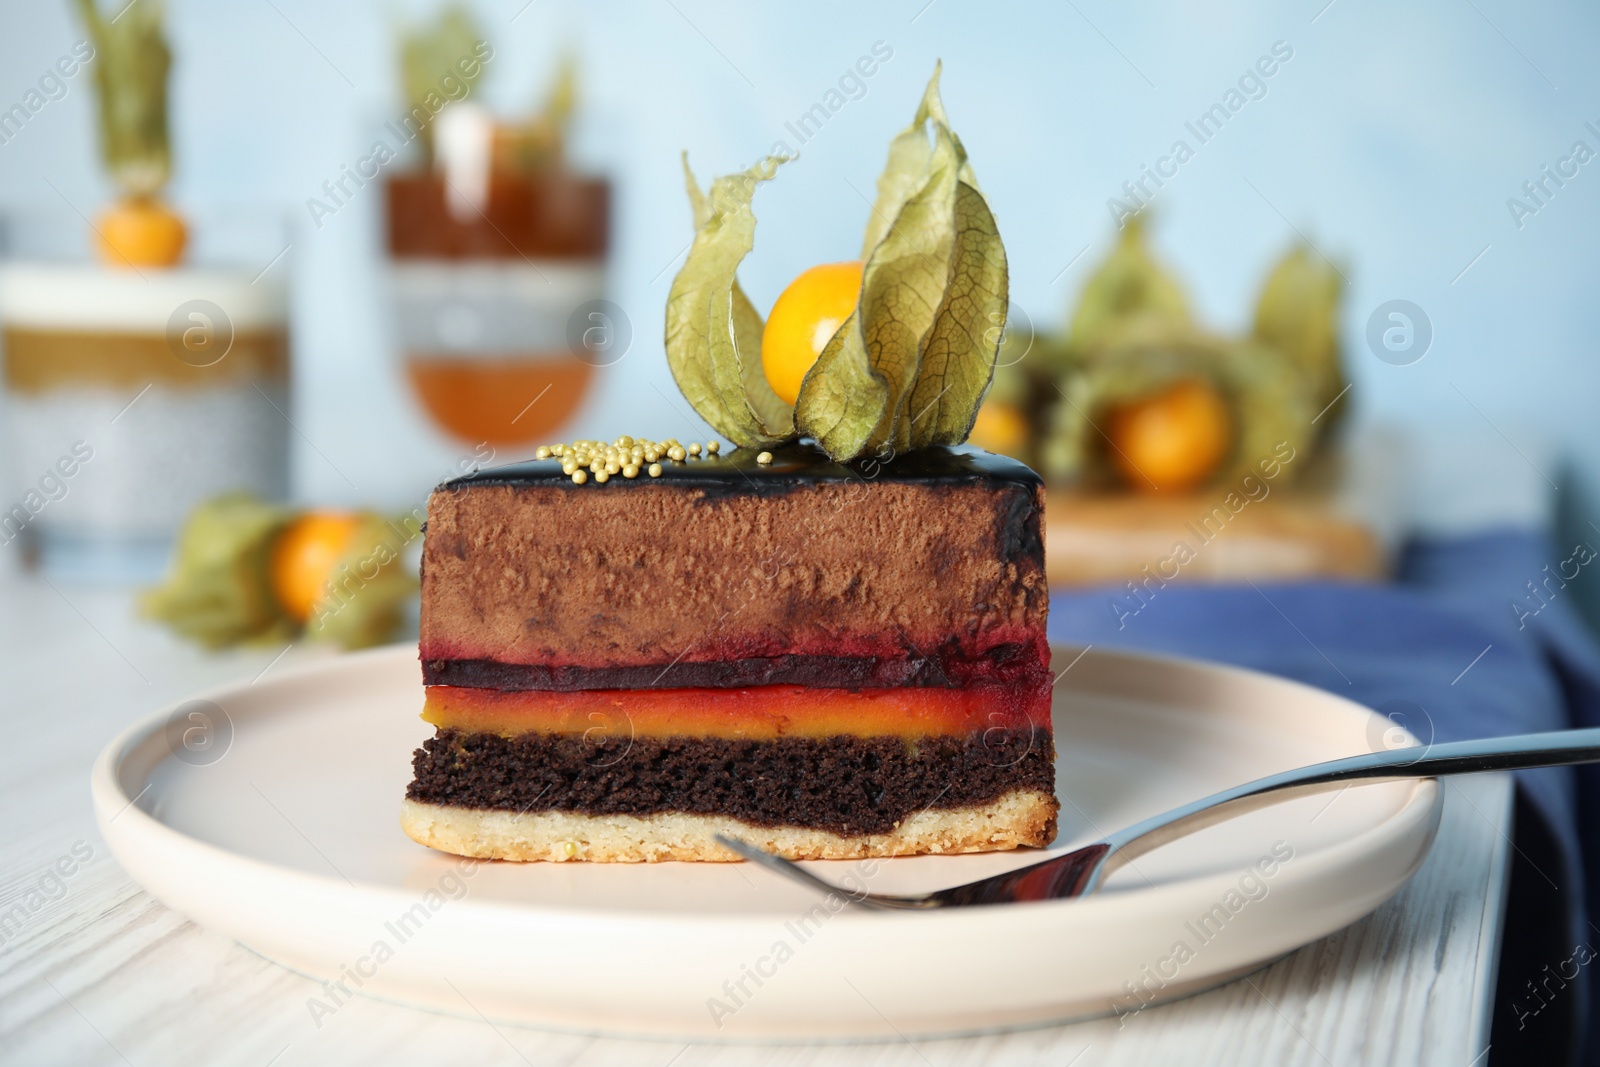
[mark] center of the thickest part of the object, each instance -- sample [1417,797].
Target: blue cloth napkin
[1461,645]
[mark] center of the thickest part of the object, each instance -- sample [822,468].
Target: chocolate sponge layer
[925,571]
[844,785]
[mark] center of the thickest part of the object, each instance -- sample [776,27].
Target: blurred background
[1392,141]
[1301,293]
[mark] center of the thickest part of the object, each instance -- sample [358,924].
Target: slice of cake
[829,643]
[824,663]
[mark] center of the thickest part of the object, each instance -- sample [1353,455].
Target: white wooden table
[94,971]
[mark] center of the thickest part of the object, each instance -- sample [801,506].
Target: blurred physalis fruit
[303,556]
[217,592]
[140,231]
[1000,428]
[248,571]
[1170,440]
[804,320]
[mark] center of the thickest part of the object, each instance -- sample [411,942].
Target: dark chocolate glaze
[1011,664]
[1021,529]
[794,466]
[844,785]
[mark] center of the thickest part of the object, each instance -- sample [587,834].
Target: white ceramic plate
[276,823]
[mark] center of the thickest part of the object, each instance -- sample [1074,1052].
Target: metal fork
[1084,870]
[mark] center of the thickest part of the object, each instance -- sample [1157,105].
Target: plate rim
[303,919]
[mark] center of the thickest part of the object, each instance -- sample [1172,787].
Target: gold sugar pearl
[764,458]
[626,456]
[713,447]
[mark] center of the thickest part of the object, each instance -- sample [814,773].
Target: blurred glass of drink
[492,296]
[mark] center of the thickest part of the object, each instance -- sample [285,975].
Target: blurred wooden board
[1092,539]
[1343,520]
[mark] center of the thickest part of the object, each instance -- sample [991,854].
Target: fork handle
[1516,752]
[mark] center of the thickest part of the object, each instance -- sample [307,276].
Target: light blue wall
[1393,138]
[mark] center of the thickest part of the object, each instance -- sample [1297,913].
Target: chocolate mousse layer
[924,570]
[843,785]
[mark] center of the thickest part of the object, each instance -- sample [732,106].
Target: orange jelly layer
[758,713]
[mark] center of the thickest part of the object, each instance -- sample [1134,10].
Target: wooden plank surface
[96,972]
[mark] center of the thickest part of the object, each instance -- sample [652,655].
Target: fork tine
[782,866]
[796,873]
